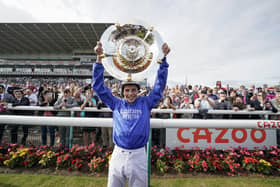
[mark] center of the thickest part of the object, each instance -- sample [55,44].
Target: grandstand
[48,49]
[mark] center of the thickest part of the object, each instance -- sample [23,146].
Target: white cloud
[211,40]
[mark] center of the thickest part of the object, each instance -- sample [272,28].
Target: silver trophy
[131,52]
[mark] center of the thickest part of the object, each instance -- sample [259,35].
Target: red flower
[273,152]
[25,163]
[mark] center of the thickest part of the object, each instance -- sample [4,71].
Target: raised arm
[103,92]
[161,79]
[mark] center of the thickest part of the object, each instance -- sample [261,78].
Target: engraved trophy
[131,52]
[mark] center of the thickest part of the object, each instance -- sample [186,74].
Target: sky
[235,41]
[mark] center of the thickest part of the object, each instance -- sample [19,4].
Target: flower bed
[94,159]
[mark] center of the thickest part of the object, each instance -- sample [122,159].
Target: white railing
[155,123]
[177,111]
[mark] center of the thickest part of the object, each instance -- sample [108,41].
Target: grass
[28,180]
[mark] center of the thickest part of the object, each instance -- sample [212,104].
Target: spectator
[67,101]
[19,100]
[237,106]
[245,97]
[106,135]
[222,104]
[166,104]
[268,107]
[219,85]
[12,87]
[32,97]
[251,91]
[210,94]
[5,98]
[203,104]
[256,102]
[55,92]
[175,100]
[47,101]
[190,90]
[89,101]
[186,104]
[232,96]
[270,94]
[242,88]
[72,87]
[275,103]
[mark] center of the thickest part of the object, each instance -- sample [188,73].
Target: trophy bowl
[131,52]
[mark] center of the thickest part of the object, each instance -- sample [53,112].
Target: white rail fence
[155,123]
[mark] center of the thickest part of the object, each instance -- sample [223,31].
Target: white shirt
[204,104]
[32,99]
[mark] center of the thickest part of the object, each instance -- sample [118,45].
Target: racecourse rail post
[71,130]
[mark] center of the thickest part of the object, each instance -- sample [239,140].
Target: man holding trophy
[131,115]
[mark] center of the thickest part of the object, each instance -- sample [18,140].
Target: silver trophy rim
[109,48]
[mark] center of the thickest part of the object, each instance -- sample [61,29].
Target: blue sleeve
[103,92]
[160,83]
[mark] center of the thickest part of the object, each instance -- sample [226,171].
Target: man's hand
[165,49]
[99,52]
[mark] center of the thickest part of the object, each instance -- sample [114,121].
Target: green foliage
[23,180]
[239,161]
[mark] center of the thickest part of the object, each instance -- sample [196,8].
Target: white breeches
[130,165]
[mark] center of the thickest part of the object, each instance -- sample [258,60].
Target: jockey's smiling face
[130,93]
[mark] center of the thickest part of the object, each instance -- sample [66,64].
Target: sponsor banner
[219,138]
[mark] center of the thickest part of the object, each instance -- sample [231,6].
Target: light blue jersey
[131,121]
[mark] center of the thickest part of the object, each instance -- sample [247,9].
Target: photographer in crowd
[203,104]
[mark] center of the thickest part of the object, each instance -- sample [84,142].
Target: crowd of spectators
[69,93]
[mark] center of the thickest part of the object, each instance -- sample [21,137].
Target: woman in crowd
[47,100]
[166,104]
[186,104]
[232,96]
[89,101]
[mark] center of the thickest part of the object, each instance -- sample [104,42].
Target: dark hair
[66,91]
[168,97]
[204,92]
[88,87]
[18,90]
[46,91]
